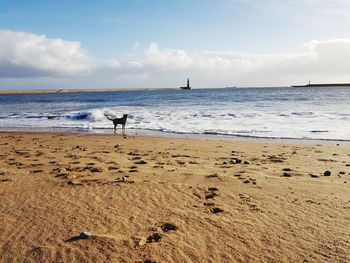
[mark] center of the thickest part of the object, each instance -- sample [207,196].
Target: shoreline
[55,91]
[158,134]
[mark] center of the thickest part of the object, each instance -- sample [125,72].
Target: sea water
[311,113]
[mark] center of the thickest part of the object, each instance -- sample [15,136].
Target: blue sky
[112,27]
[127,37]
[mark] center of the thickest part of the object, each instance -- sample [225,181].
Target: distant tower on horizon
[188,85]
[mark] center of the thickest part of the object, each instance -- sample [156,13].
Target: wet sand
[150,199]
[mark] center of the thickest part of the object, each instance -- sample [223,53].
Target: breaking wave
[218,112]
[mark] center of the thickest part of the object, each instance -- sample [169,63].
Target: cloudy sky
[158,43]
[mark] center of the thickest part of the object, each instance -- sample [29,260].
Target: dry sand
[148,199]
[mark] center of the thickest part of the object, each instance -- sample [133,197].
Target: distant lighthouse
[188,85]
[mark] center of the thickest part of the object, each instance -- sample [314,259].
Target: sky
[159,43]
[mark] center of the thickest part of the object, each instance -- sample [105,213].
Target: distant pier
[323,85]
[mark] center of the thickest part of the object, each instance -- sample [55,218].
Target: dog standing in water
[117,121]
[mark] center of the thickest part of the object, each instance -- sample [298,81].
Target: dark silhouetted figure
[117,121]
[188,85]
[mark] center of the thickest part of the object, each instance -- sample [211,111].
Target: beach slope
[149,199]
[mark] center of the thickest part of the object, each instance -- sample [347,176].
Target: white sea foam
[295,119]
[196,120]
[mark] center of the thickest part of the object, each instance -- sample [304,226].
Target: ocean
[296,113]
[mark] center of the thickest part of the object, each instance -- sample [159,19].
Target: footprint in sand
[211,193]
[180,162]
[235,161]
[36,164]
[141,162]
[180,155]
[212,175]
[73,183]
[112,163]
[124,179]
[210,196]
[39,154]
[133,170]
[5,180]
[327,173]
[276,159]
[63,175]
[133,154]
[285,174]
[156,237]
[75,162]
[216,210]
[37,171]
[246,200]
[94,169]
[166,227]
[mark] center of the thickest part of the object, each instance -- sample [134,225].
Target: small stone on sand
[314,175]
[216,210]
[95,170]
[212,175]
[85,235]
[169,227]
[141,162]
[154,238]
[210,196]
[286,174]
[327,173]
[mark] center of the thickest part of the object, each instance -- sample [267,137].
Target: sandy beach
[150,199]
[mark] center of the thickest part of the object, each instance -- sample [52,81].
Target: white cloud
[324,61]
[169,59]
[316,13]
[326,6]
[24,55]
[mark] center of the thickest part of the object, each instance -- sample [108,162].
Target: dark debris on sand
[169,227]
